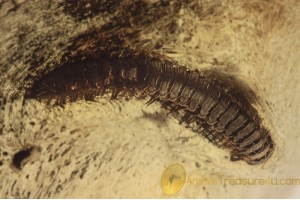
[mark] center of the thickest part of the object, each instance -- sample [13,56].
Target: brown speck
[63,128]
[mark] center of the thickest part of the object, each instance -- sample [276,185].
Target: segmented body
[228,123]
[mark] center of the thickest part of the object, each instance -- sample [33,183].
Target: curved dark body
[228,122]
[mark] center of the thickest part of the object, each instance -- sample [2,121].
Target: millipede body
[204,102]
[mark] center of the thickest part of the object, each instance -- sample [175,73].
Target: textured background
[121,148]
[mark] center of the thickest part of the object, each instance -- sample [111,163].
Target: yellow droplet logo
[173,179]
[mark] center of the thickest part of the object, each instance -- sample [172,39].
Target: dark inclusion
[207,99]
[88,8]
[20,156]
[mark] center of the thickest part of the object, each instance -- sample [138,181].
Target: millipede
[205,102]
